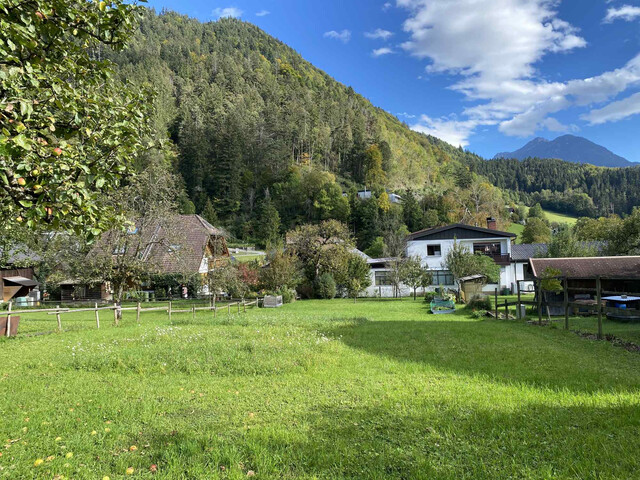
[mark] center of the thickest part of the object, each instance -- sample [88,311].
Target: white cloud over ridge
[344,36]
[625,12]
[262,13]
[615,110]
[227,12]
[493,46]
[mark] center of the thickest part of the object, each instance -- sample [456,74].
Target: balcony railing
[500,259]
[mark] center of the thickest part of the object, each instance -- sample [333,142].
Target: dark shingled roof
[524,251]
[195,233]
[589,267]
[432,231]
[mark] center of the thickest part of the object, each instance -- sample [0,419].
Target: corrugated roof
[589,267]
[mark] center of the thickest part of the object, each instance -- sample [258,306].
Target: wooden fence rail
[117,309]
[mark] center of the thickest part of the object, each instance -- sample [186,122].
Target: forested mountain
[583,190]
[260,130]
[571,149]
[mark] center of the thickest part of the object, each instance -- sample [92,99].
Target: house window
[383,278]
[434,250]
[490,249]
[442,277]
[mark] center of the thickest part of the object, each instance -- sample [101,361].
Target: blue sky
[487,74]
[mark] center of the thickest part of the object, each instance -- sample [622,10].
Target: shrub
[479,313]
[479,302]
[325,286]
[288,295]
[429,296]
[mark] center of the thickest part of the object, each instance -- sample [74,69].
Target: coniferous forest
[265,141]
[258,128]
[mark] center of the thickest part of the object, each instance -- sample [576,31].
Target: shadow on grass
[418,441]
[509,352]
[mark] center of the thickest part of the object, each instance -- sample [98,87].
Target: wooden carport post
[599,305]
[566,303]
[539,293]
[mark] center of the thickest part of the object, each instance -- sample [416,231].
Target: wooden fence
[596,308]
[239,305]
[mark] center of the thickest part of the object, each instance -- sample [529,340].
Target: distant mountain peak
[570,148]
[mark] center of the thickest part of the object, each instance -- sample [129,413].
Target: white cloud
[493,47]
[226,12]
[386,6]
[615,110]
[625,12]
[450,130]
[405,115]
[344,36]
[379,33]
[262,13]
[378,52]
[498,39]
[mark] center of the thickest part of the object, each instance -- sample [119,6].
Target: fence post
[506,309]
[539,293]
[97,316]
[599,305]
[519,306]
[138,308]
[193,312]
[566,303]
[115,314]
[496,301]
[238,303]
[169,311]
[9,320]
[228,308]
[58,318]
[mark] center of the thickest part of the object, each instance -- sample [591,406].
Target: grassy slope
[551,216]
[318,389]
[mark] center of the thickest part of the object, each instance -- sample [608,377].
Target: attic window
[434,250]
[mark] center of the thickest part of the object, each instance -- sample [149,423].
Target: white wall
[419,248]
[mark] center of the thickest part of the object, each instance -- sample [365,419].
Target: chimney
[491,223]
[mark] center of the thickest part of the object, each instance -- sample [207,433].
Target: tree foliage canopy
[69,130]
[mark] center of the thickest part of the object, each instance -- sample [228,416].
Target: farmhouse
[197,248]
[432,245]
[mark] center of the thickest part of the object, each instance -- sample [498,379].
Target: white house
[433,244]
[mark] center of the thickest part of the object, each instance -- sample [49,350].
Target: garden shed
[471,286]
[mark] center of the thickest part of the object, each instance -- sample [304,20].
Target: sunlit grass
[317,389]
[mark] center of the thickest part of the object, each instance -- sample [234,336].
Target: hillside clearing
[318,389]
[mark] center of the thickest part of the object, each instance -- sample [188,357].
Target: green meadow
[315,390]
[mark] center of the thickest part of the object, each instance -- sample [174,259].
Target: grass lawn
[551,216]
[317,389]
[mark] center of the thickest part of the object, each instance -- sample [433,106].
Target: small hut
[471,286]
